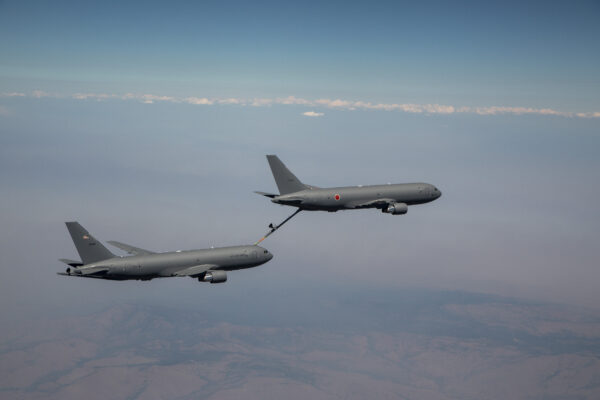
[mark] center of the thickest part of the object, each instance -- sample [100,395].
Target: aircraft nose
[266,254]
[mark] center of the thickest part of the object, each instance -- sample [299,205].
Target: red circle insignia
[337,196]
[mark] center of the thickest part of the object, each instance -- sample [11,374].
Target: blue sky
[521,54]
[149,123]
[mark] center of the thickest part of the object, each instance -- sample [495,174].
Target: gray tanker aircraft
[392,198]
[207,265]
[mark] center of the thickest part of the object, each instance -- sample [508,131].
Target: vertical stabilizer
[90,250]
[285,180]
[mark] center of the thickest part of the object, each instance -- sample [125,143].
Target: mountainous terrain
[418,345]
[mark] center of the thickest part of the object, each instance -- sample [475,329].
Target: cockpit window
[265,252]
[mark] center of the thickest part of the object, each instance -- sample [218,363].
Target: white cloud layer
[338,104]
[313,114]
[12,94]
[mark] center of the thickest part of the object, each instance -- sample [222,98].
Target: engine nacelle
[396,209]
[214,277]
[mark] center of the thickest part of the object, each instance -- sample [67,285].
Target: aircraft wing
[377,203]
[130,249]
[195,271]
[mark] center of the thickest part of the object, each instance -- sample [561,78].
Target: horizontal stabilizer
[270,195]
[195,271]
[96,272]
[93,271]
[66,274]
[71,263]
[130,249]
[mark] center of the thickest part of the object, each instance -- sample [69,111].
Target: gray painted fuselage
[162,265]
[354,197]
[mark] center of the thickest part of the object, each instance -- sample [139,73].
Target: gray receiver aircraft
[207,265]
[392,198]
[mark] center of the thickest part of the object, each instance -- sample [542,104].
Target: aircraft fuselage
[353,197]
[160,265]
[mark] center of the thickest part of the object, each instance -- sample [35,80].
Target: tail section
[90,250]
[285,180]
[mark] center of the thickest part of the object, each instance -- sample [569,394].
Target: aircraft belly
[319,207]
[237,266]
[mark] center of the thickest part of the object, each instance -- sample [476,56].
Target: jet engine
[214,277]
[396,209]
